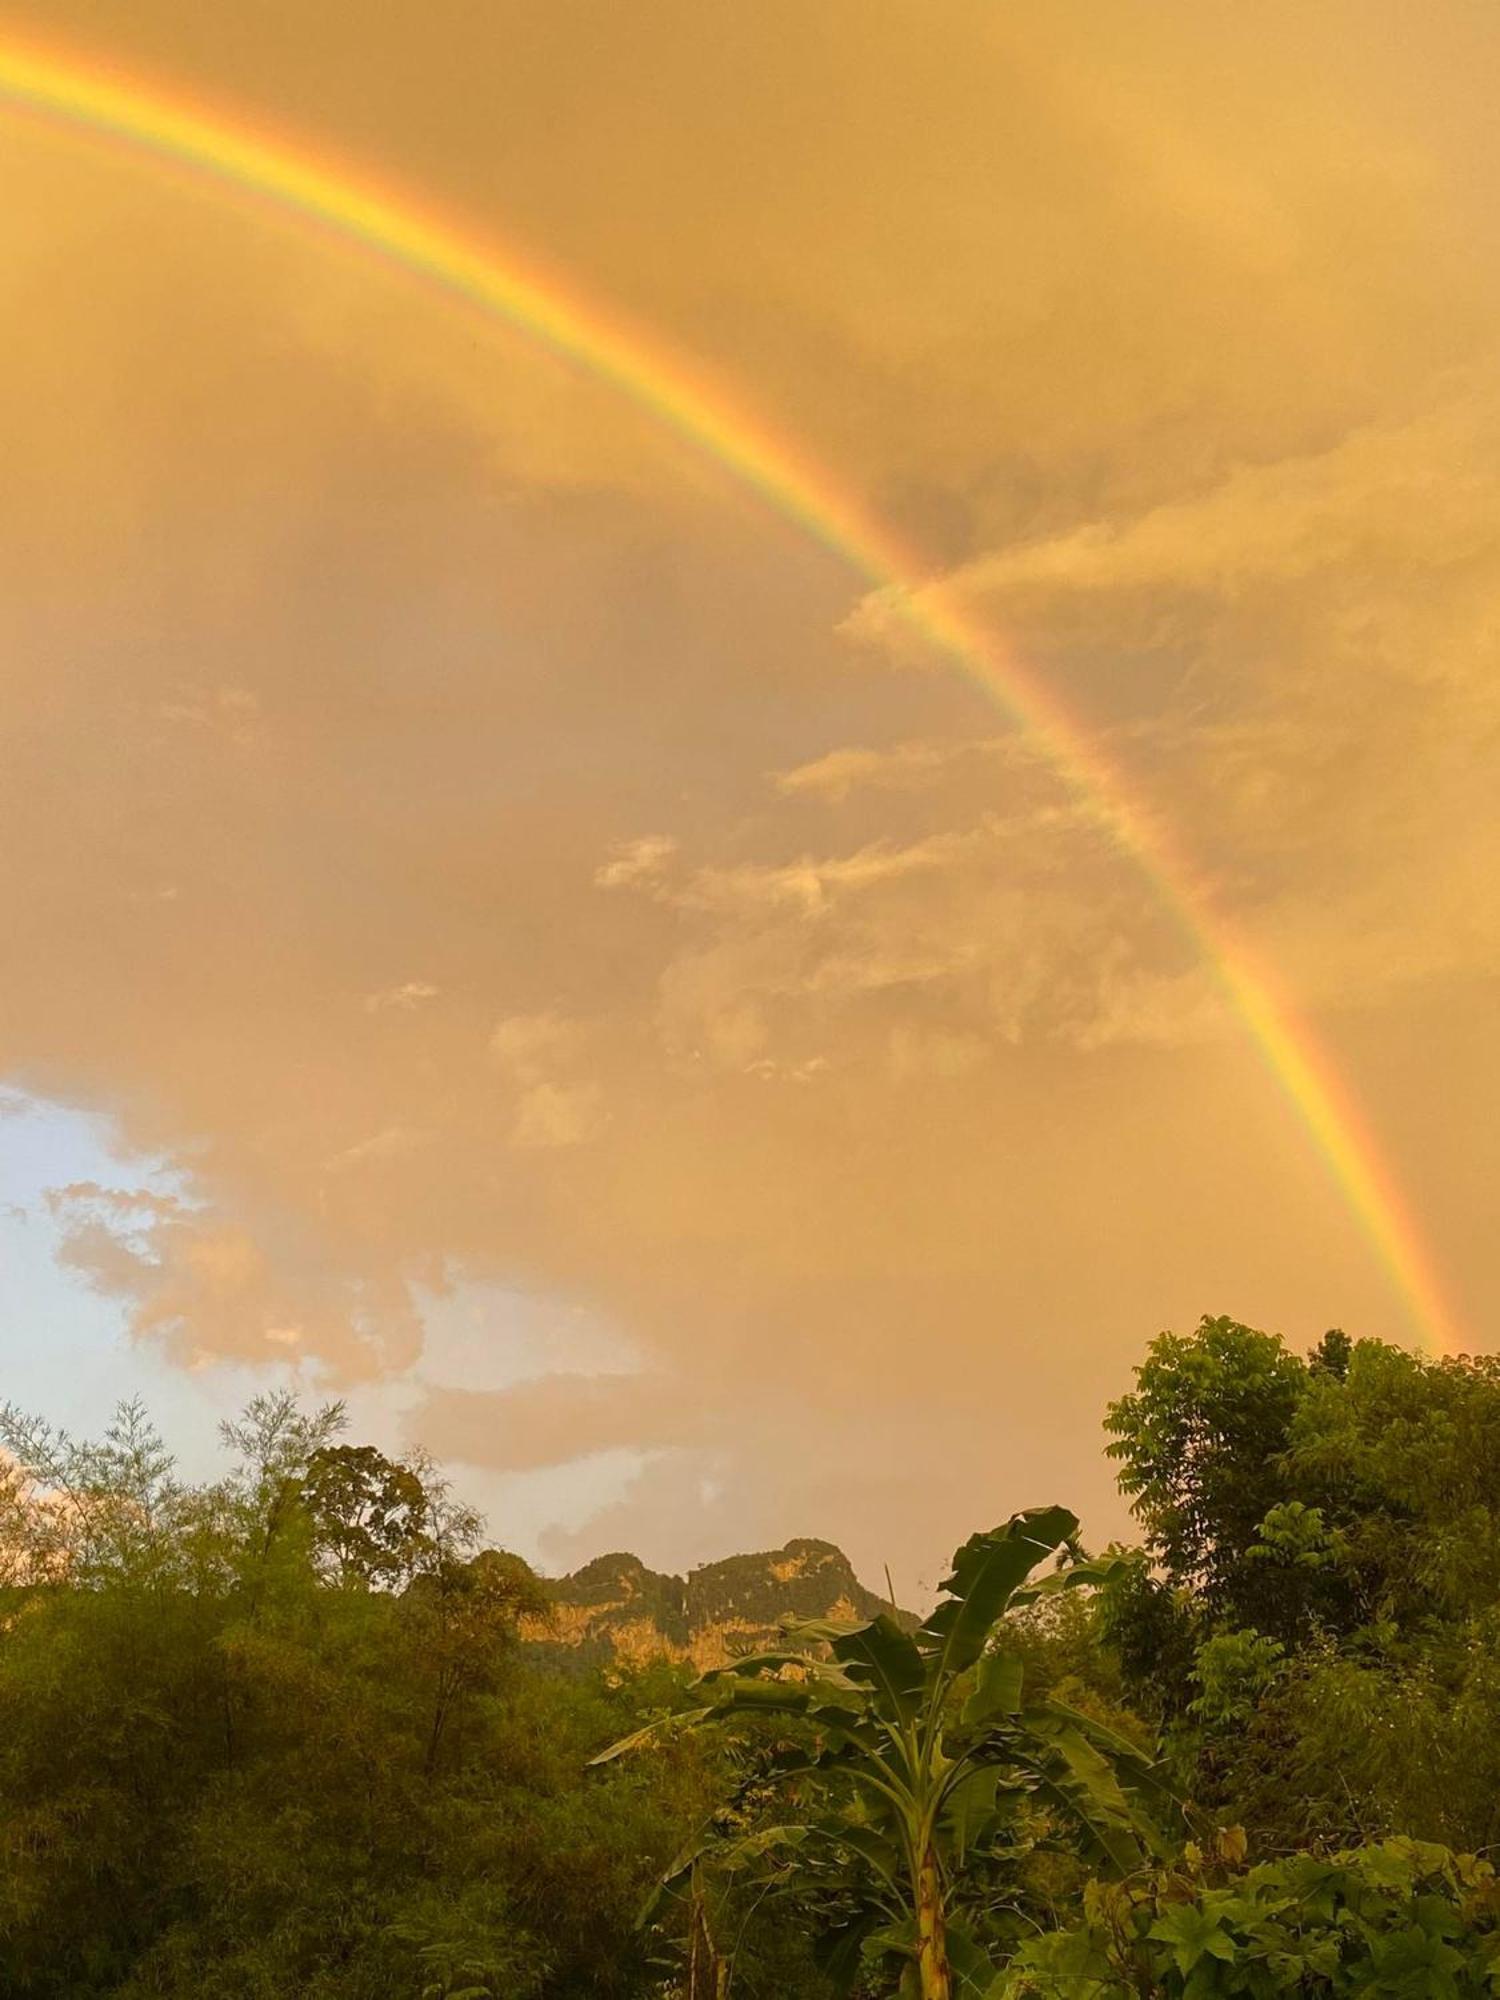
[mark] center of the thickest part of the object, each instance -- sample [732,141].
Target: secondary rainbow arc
[94,100]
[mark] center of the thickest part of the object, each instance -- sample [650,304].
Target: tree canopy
[289,1730]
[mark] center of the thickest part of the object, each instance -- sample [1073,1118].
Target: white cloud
[633,862]
[404,998]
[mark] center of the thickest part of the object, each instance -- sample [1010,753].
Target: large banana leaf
[1074,1776]
[896,1769]
[878,1654]
[1137,1771]
[970,1807]
[1095,1573]
[872,1847]
[973,1971]
[997,1688]
[651,1734]
[749,1665]
[987,1571]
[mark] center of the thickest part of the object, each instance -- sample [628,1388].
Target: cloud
[915,766]
[527,1045]
[389,1144]
[636,861]
[233,712]
[552,1420]
[1319,634]
[880,1102]
[553,1107]
[211,1288]
[1385,502]
[404,999]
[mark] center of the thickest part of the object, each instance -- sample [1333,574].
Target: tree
[224,1777]
[464,1618]
[923,1754]
[1315,1615]
[369,1515]
[1200,1443]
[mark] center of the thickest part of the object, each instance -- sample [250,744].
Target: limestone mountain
[616,1608]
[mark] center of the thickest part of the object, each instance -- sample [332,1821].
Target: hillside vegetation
[303,1731]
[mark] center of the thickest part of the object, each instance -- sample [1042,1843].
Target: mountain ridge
[617,1609]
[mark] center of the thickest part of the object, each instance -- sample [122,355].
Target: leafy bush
[1401,1919]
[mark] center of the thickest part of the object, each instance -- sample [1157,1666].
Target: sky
[502,925]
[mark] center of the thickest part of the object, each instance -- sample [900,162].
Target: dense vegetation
[280,1734]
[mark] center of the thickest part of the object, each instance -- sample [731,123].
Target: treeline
[274,1736]
[278,1734]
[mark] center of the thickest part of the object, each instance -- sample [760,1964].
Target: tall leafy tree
[369,1514]
[1201,1442]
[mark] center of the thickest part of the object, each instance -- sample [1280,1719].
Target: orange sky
[492,859]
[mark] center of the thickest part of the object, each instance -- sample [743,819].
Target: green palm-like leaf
[997,1688]
[775,1662]
[973,1972]
[653,1733]
[1096,1573]
[876,1652]
[881,1854]
[987,1570]
[969,1807]
[832,1707]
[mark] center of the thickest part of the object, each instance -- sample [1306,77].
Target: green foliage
[919,1760]
[1234,1670]
[1200,1442]
[1403,1920]
[368,1516]
[232,1768]
[1318,1624]
[278,1733]
[1359,1489]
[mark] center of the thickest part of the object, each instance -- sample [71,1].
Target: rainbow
[87,98]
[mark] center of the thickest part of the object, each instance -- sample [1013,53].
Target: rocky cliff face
[614,1608]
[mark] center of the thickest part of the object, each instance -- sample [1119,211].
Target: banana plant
[923,1752]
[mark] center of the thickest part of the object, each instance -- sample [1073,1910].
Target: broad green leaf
[872,1848]
[997,1688]
[754,1664]
[1095,1573]
[650,1735]
[969,1806]
[875,1652]
[973,1971]
[751,1847]
[885,1657]
[839,1952]
[1099,1836]
[1132,1767]
[762,1697]
[830,1708]
[986,1570]
[1099,1733]
[822,1631]
[1193,1934]
[1090,1768]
